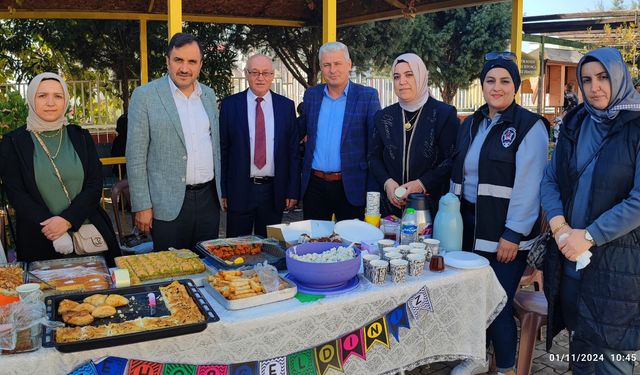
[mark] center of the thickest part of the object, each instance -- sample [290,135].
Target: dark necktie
[260,150]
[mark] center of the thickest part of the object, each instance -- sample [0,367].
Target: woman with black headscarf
[499,160]
[52,176]
[591,194]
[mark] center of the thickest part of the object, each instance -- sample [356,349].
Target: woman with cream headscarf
[413,138]
[46,211]
[591,195]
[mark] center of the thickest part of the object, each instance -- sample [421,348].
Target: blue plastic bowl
[322,275]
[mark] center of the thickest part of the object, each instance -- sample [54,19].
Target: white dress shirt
[267,109]
[197,134]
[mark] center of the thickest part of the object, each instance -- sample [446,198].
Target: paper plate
[357,231]
[465,260]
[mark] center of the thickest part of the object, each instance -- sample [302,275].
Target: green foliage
[13,112]
[374,45]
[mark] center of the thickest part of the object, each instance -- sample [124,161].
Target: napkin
[583,260]
[64,244]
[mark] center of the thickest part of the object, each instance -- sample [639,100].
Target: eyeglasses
[506,55]
[255,74]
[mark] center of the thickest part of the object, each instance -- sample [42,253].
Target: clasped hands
[54,227]
[574,244]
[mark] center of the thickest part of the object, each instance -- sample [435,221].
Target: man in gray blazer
[173,152]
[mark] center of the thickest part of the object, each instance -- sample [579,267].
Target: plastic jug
[447,228]
[421,204]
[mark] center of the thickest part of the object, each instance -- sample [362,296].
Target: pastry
[84,307]
[91,332]
[68,334]
[96,299]
[116,300]
[78,318]
[66,305]
[158,322]
[160,264]
[103,311]
[129,326]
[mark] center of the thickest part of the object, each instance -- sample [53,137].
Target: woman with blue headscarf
[591,194]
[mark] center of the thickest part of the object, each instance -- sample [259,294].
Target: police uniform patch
[508,136]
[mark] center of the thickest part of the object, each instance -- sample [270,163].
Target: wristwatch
[587,236]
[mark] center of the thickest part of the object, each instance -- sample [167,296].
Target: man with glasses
[337,118]
[260,159]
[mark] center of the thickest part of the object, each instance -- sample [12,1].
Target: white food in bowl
[335,254]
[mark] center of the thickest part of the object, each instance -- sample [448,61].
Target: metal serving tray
[23,266]
[271,252]
[69,263]
[136,309]
[263,299]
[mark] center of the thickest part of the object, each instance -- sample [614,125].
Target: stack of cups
[385,243]
[416,264]
[403,249]
[432,247]
[372,211]
[378,271]
[366,263]
[398,270]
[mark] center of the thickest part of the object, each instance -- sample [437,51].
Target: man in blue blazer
[259,150]
[338,121]
[173,152]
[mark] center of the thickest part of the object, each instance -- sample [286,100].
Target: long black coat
[433,143]
[17,173]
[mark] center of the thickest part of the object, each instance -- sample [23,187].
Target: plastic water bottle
[408,227]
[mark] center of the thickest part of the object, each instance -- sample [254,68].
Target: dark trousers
[605,362]
[198,220]
[502,332]
[325,198]
[261,213]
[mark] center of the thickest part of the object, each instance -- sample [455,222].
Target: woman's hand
[575,245]
[507,251]
[389,188]
[559,226]
[412,187]
[54,227]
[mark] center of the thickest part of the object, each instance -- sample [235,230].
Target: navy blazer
[357,130]
[236,153]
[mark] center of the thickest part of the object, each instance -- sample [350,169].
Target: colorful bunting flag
[247,368]
[212,370]
[85,369]
[420,301]
[301,363]
[274,366]
[112,366]
[180,369]
[327,356]
[397,318]
[138,367]
[353,343]
[376,331]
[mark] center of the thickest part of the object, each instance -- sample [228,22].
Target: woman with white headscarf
[413,138]
[33,157]
[591,194]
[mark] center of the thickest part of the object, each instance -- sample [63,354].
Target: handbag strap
[53,164]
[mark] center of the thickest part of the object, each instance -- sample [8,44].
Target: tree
[617,5]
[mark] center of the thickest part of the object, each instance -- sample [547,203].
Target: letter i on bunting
[352,343]
[247,368]
[179,369]
[420,301]
[396,319]
[301,363]
[275,366]
[112,366]
[212,370]
[376,331]
[327,356]
[138,367]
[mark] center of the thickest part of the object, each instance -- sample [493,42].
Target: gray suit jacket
[156,152]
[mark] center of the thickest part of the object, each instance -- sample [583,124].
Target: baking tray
[69,263]
[23,266]
[136,309]
[263,299]
[199,278]
[271,252]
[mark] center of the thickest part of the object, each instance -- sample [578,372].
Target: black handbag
[535,258]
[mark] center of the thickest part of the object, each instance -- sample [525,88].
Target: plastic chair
[533,277]
[531,309]
[119,190]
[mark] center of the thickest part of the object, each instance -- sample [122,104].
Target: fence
[97,104]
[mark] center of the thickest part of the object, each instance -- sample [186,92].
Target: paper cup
[398,270]
[385,243]
[416,264]
[366,260]
[404,249]
[378,271]
[391,256]
[25,290]
[418,245]
[418,251]
[432,247]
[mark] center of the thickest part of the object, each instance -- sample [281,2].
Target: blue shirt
[326,155]
[531,159]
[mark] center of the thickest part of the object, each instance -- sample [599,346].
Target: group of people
[186,163]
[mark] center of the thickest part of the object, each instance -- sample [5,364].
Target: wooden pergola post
[174,8]
[329,20]
[516,33]
[144,61]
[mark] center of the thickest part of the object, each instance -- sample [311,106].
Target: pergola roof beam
[551,17]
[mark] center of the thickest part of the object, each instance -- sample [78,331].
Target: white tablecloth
[464,303]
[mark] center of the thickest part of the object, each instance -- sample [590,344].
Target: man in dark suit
[338,121]
[260,159]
